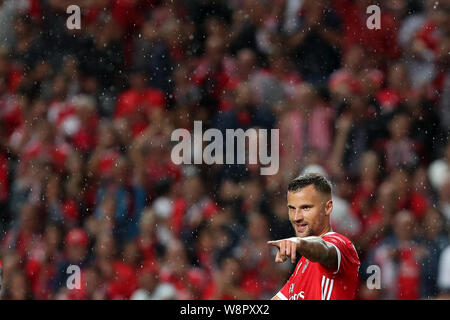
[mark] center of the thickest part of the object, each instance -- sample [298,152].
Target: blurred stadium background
[86,116]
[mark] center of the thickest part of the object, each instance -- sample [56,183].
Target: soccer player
[328,268]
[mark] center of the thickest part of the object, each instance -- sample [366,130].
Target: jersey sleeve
[346,252]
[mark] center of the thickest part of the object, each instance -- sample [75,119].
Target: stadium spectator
[433,242]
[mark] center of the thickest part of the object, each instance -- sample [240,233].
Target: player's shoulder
[335,235]
[343,243]
[337,238]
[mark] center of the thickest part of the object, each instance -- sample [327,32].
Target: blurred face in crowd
[385,197]
[93,281]
[447,153]
[105,247]
[85,107]
[354,58]
[399,127]
[214,27]
[52,237]
[206,240]
[304,98]
[106,135]
[89,84]
[255,11]
[70,66]
[215,50]
[105,32]
[22,27]
[403,225]
[400,180]
[244,96]
[274,183]
[76,252]
[74,163]
[172,33]
[181,76]
[444,49]
[345,188]
[232,270]
[222,236]
[18,286]
[147,223]
[11,262]
[228,191]
[107,211]
[60,86]
[124,132]
[46,132]
[138,81]
[444,192]
[148,281]
[120,171]
[149,31]
[279,65]
[131,254]
[279,208]
[371,81]
[413,104]
[398,77]
[38,110]
[315,9]
[176,258]
[369,165]
[358,106]
[309,211]
[193,188]
[420,179]
[432,223]
[252,191]
[258,228]
[53,187]
[29,219]
[246,60]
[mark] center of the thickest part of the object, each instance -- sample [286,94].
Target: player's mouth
[300,228]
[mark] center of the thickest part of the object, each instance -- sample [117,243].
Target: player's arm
[314,249]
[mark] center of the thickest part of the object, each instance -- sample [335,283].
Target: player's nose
[298,216]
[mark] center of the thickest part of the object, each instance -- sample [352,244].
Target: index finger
[274,243]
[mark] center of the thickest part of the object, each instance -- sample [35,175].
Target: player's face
[309,211]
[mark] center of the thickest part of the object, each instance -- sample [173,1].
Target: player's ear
[328,207]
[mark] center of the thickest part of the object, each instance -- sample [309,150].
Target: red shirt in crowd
[134,104]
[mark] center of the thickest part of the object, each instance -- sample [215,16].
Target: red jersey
[312,281]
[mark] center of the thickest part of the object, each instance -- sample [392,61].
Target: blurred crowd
[86,117]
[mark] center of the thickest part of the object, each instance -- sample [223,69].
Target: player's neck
[326,230]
